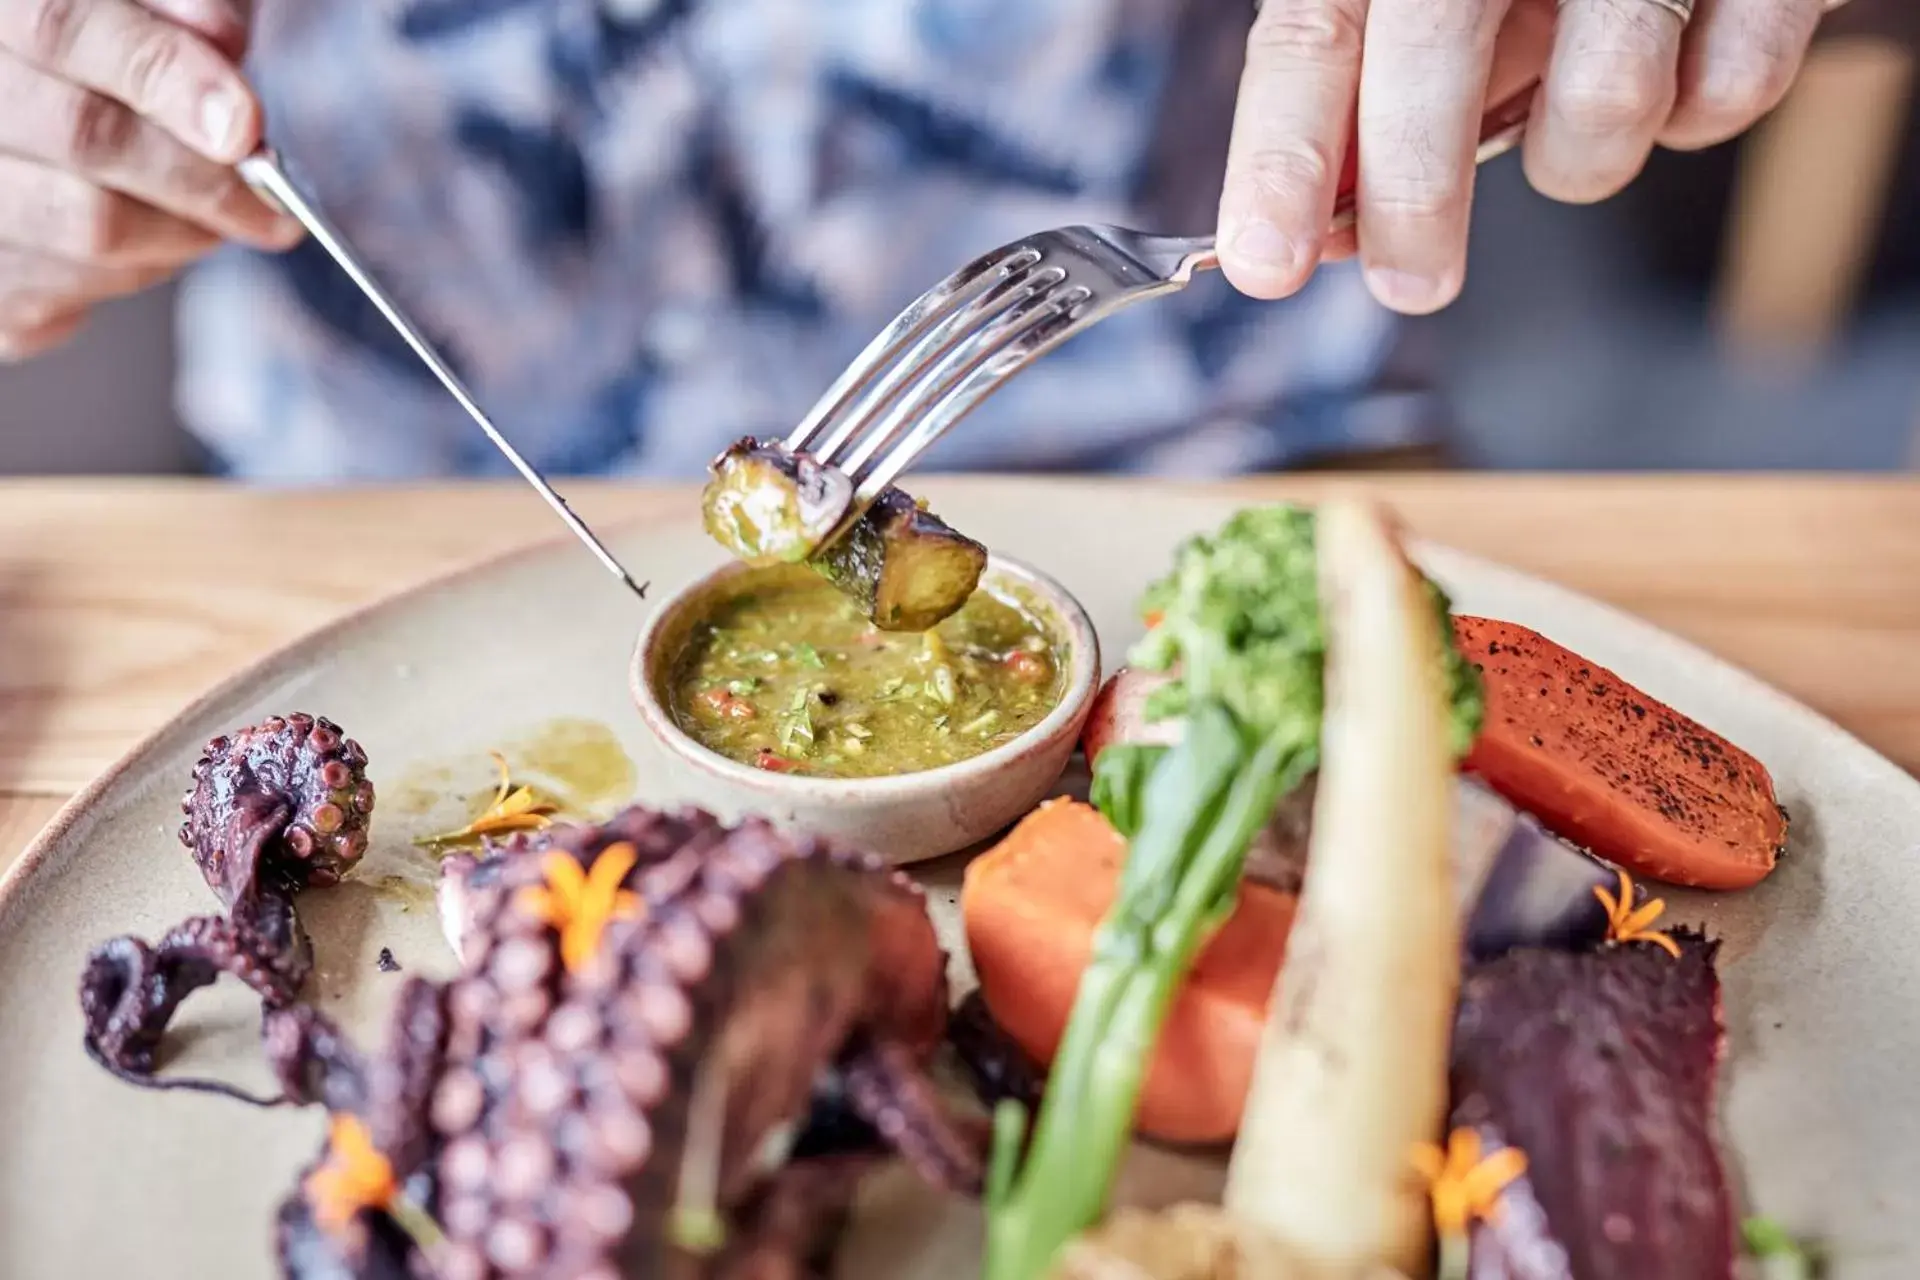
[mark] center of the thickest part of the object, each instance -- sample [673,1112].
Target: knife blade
[264,173]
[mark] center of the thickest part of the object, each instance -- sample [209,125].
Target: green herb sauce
[787,674]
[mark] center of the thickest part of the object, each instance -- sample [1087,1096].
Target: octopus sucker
[274,808]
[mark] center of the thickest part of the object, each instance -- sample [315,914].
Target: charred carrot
[1032,905]
[1606,766]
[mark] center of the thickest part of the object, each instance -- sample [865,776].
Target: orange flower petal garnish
[1628,923]
[512,809]
[354,1176]
[581,904]
[1462,1184]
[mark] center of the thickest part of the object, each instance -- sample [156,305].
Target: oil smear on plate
[571,769]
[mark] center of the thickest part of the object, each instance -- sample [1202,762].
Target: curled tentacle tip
[290,790]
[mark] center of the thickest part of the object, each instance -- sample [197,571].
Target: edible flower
[511,809]
[581,904]
[354,1177]
[1627,923]
[1463,1186]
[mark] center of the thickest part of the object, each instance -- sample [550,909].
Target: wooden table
[120,600]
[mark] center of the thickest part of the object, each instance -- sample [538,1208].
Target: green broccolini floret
[1240,615]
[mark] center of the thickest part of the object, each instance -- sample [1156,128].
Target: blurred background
[1752,307]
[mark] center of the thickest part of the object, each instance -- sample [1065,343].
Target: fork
[960,341]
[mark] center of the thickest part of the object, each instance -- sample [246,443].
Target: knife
[262,171]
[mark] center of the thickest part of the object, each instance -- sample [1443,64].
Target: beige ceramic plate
[1821,1095]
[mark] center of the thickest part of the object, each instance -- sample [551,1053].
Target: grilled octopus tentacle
[391,1096]
[273,809]
[129,990]
[890,1090]
[312,1060]
[579,1118]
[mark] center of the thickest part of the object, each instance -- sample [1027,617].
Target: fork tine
[945,298]
[959,380]
[852,439]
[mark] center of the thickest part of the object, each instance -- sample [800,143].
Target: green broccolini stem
[1009,1131]
[1206,802]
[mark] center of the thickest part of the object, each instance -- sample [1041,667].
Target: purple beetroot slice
[1601,1067]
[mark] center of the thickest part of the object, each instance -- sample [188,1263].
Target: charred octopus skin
[277,807]
[691,1087]
[274,808]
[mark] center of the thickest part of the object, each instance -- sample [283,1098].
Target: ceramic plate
[1820,1097]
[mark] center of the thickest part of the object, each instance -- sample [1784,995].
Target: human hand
[1618,77]
[117,146]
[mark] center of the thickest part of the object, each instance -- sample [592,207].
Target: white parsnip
[1352,1071]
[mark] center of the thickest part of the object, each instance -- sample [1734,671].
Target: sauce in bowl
[785,673]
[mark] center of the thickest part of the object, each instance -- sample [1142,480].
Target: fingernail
[1267,247]
[220,120]
[1403,290]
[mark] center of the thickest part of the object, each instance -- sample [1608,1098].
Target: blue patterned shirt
[643,228]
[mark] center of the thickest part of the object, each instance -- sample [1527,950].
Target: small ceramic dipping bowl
[902,817]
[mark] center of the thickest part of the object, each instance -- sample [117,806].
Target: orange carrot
[1031,906]
[1608,767]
